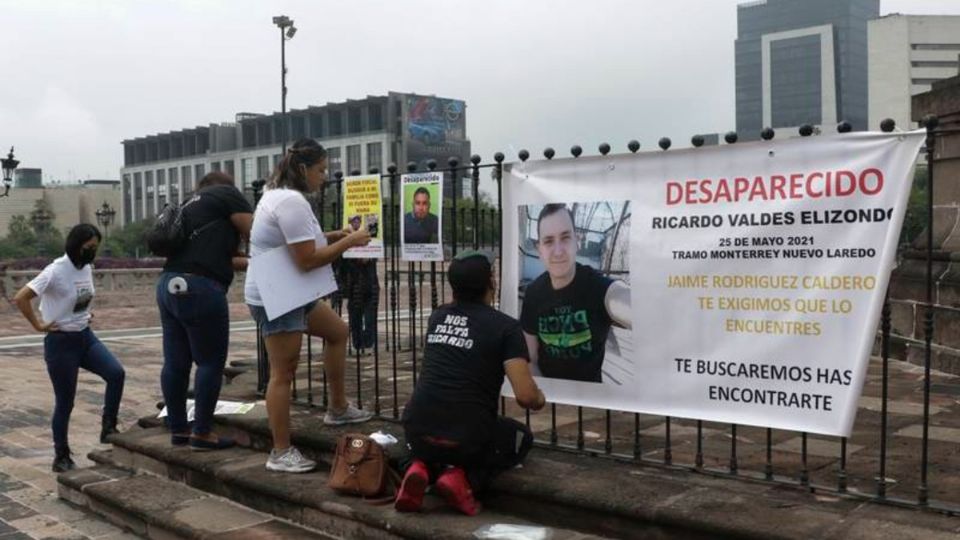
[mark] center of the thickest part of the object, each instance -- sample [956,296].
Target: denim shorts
[291,321]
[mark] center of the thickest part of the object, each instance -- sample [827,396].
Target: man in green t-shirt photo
[568,310]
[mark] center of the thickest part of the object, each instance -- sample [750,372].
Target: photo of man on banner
[568,310]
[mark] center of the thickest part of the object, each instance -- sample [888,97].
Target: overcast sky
[79,76]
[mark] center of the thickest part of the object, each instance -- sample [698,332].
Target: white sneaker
[290,460]
[350,415]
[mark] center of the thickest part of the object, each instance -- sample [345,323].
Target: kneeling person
[453,431]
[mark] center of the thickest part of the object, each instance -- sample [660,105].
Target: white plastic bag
[383,439]
[505,531]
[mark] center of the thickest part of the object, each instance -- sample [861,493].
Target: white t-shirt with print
[65,294]
[283,216]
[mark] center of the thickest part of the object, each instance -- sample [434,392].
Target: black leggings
[482,460]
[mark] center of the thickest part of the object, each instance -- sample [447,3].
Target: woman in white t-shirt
[65,288]
[283,217]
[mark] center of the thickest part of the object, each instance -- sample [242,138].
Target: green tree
[128,241]
[488,219]
[915,221]
[48,239]
[20,241]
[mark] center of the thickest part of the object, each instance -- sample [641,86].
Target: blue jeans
[65,353]
[196,329]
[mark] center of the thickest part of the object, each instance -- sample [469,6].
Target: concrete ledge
[161,509]
[623,500]
[239,475]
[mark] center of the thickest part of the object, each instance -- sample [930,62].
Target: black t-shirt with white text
[211,251]
[463,370]
[571,324]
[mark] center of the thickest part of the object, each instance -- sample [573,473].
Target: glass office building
[801,62]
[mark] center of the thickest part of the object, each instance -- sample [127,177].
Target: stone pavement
[29,507]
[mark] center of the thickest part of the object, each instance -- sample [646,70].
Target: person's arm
[24,301]
[533,348]
[617,303]
[307,255]
[242,222]
[525,389]
[334,236]
[239,262]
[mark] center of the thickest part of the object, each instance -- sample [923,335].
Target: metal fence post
[930,123]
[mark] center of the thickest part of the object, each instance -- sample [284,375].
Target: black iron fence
[872,464]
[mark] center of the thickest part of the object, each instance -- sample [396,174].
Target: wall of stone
[908,290]
[129,287]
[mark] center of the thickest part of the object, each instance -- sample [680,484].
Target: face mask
[86,256]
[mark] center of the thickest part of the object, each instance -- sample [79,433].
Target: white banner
[421,226]
[738,284]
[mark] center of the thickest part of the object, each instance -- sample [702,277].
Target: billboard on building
[434,128]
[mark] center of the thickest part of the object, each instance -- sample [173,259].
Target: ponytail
[289,173]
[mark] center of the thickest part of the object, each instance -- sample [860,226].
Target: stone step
[157,508]
[239,475]
[605,497]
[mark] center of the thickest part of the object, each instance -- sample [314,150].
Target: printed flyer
[363,207]
[421,227]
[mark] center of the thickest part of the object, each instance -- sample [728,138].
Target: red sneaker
[455,489]
[410,495]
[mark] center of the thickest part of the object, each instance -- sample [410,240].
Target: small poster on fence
[421,199]
[363,207]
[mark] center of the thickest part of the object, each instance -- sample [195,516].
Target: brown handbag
[359,467]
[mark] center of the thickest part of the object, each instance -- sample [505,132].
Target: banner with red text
[738,284]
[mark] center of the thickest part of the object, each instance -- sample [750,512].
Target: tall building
[908,53]
[70,203]
[358,134]
[27,178]
[801,62]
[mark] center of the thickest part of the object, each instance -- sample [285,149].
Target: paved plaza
[29,507]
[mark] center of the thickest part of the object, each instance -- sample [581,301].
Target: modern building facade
[908,53]
[801,62]
[358,134]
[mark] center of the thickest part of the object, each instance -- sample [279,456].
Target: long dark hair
[215,178]
[76,238]
[289,174]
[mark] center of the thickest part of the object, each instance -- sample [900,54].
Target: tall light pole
[287,31]
[40,219]
[9,165]
[105,215]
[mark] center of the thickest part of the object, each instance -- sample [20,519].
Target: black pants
[65,353]
[506,446]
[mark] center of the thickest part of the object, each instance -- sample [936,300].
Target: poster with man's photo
[363,208]
[421,201]
[736,284]
[574,290]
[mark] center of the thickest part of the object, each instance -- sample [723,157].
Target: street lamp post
[287,31]
[105,215]
[40,220]
[9,165]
